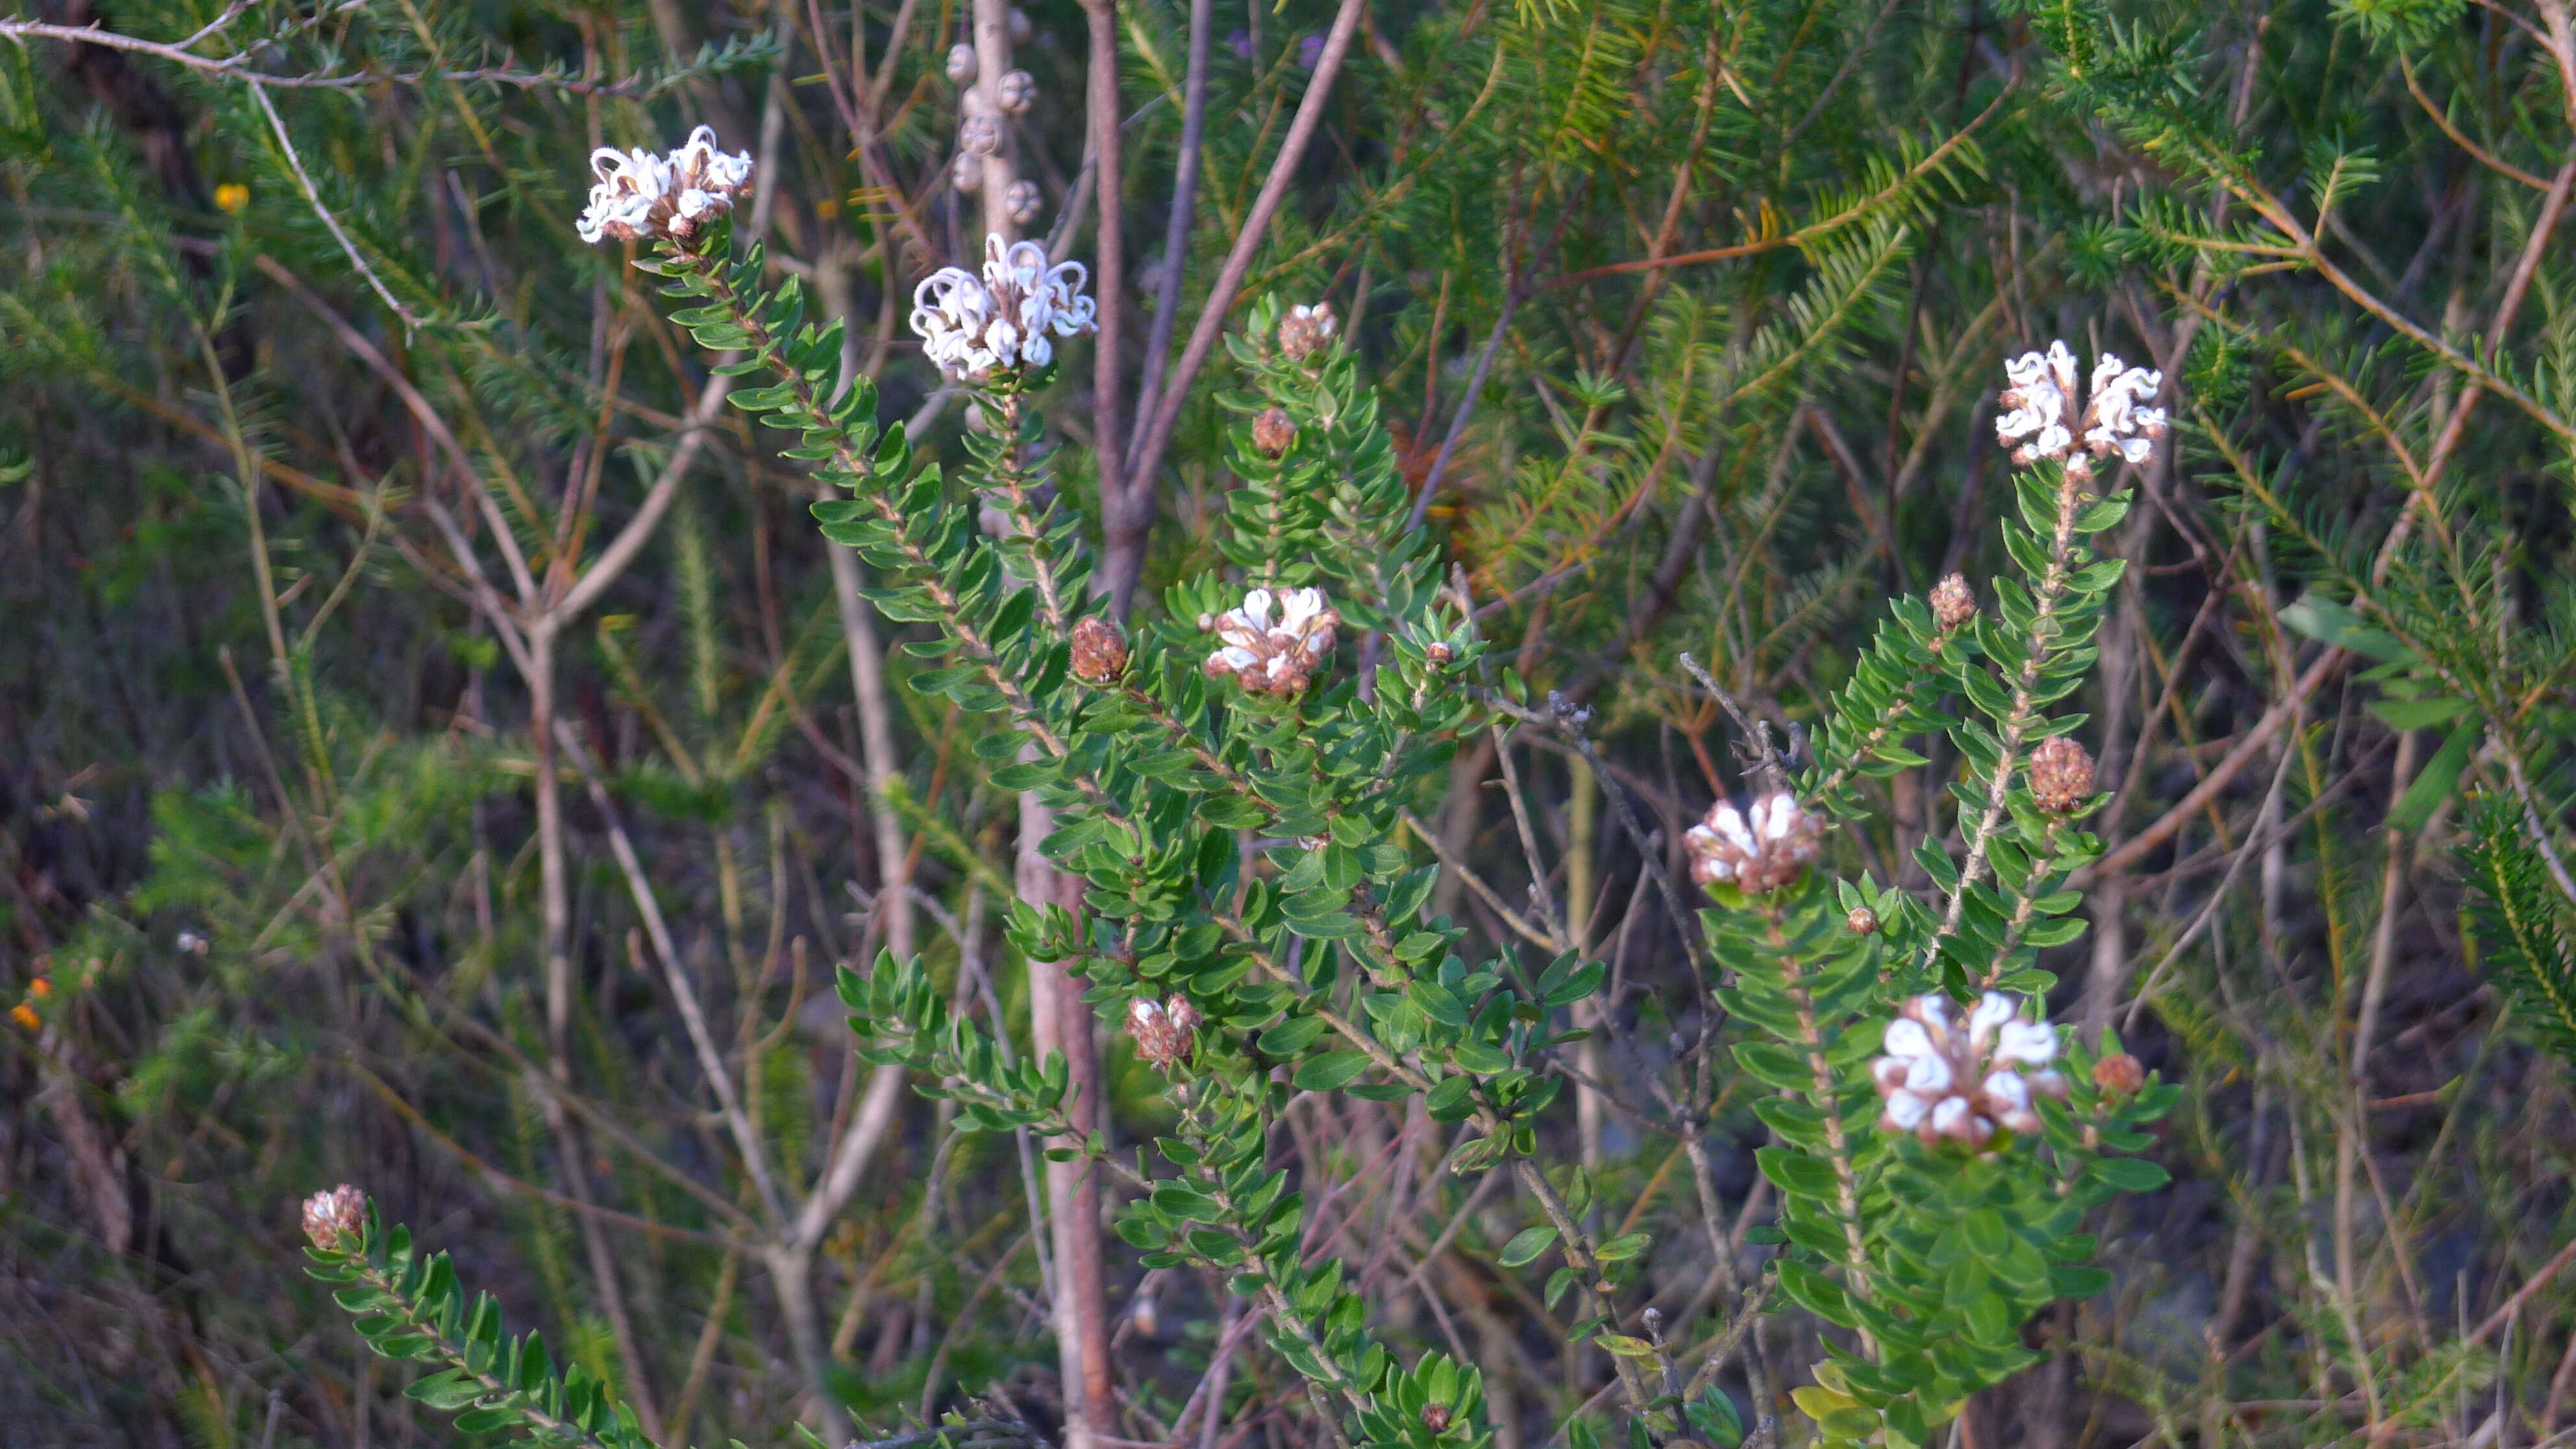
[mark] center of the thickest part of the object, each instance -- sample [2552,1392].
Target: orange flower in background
[40,988]
[25,1016]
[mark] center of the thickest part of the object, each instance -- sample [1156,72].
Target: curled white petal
[2029,1043]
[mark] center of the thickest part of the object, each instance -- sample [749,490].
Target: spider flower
[2039,419]
[1962,1081]
[1274,655]
[975,326]
[640,196]
[1760,850]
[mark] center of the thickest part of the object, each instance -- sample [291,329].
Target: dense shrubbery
[1425,774]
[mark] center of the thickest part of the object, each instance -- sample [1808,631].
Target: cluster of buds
[1952,604]
[640,196]
[1165,1030]
[2040,420]
[1099,653]
[973,327]
[1759,850]
[1273,433]
[1942,1080]
[337,1219]
[1022,200]
[1274,656]
[1015,92]
[1305,330]
[2061,775]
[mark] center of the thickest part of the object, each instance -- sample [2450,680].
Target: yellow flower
[231,197]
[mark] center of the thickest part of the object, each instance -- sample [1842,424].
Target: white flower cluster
[1760,850]
[1274,658]
[639,195]
[2039,414]
[974,327]
[1945,1080]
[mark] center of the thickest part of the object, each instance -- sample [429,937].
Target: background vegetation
[1687,320]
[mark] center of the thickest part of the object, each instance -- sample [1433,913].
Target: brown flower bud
[1305,330]
[1165,1030]
[2061,775]
[1099,654]
[337,1219]
[1273,433]
[1435,1417]
[1952,604]
[1438,652]
[2119,1074]
[1861,922]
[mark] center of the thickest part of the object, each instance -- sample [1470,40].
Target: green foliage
[410,1306]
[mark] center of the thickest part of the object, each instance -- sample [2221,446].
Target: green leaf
[2130,1174]
[1619,1250]
[2439,776]
[445,1392]
[1794,1174]
[2417,714]
[1290,1037]
[1527,1244]
[1324,1073]
[2323,619]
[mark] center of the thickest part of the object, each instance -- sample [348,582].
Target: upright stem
[553,892]
[1127,524]
[992,62]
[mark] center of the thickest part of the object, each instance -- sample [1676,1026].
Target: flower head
[336,1219]
[1099,654]
[1760,850]
[2119,1074]
[1269,655]
[1952,604]
[1305,330]
[639,195]
[1164,1030]
[2061,775]
[1273,432]
[2039,411]
[974,327]
[1961,1081]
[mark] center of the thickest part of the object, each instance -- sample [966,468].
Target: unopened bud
[1021,29]
[1438,652]
[1861,922]
[1099,654]
[1164,1031]
[980,135]
[1435,1417]
[1273,432]
[1016,91]
[1952,604]
[1023,201]
[2119,1074]
[337,1219]
[961,64]
[1147,1315]
[1305,330]
[969,176]
[2061,775]
[1207,623]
